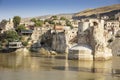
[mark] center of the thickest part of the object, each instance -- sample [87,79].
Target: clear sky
[31,8]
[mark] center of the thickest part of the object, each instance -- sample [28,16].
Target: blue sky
[31,8]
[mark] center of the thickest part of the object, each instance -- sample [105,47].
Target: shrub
[25,43]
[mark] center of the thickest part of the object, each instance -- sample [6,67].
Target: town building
[15,45]
[8,26]
[112,26]
[26,32]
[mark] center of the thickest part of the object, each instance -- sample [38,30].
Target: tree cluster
[38,23]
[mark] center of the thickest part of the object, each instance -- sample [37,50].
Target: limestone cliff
[59,42]
[115,46]
[102,11]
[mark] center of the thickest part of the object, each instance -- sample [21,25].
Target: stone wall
[91,34]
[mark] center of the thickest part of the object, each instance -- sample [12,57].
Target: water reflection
[69,69]
[86,66]
[102,66]
[14,61]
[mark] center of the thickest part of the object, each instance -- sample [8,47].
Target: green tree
[20,27]
[11,35]
[68,23]
[25,43]
[62,18]
[39,23]
[54,17]
[46,20]
[16,20]
[33,20]
[51,22]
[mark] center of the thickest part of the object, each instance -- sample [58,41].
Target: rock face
[22,52]
[63,39]
[115,46]
[91,33]
[102,11]
[59,42]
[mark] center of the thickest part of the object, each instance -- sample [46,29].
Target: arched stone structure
[91,37]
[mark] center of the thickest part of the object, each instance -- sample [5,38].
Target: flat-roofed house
[15,45]
[26,32]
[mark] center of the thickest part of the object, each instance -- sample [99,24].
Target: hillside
[107,10]
[68,16]
[102,10]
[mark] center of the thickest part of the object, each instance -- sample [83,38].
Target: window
[95,23]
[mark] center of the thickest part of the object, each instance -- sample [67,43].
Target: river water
[14,67]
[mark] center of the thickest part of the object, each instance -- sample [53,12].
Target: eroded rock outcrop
[115,46]
[59,42]
[22,52]
[63,38]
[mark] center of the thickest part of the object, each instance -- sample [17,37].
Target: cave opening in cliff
[95,24]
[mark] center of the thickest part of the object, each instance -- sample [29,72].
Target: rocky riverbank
[23,52]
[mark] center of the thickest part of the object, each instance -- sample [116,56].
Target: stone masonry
[91,42]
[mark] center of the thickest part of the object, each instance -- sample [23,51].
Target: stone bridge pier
[92,43]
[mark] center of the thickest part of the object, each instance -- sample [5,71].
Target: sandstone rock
[115,46]
[103,55]
[53,53]
[118,34]
[44,51]
[59,42]
[22,52]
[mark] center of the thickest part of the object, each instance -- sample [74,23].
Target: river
[14,67]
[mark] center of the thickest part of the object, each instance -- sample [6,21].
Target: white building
[15,44]
[113,26]
[9,26]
